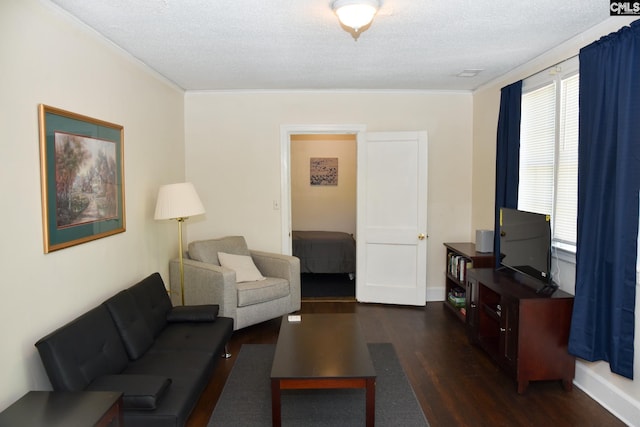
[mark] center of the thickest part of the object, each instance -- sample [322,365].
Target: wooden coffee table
[322,351]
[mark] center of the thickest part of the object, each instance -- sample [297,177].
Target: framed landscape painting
[82,178]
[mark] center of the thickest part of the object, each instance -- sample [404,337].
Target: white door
[392,218]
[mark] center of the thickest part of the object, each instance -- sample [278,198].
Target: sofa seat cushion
[189,371]
[207,250]
[272,288]
[206,337]
[194,313]
[138,391]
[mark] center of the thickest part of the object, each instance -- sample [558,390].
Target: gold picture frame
[82,178]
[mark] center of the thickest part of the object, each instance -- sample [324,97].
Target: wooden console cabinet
[525,333]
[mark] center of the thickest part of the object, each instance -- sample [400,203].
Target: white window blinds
[537,150]
[566,203]
[549,150]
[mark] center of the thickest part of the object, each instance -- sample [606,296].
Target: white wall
[233,157]
[49,58]
[618,394]
[323,207]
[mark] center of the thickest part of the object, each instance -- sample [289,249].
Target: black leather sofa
[161,357]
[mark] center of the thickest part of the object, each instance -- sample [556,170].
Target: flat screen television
[525,243]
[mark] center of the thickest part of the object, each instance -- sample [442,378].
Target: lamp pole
[180,221]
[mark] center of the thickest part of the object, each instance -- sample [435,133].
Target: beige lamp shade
[178,201]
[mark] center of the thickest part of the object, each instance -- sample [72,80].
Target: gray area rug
[246,397]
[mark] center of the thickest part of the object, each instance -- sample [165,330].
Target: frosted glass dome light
[356,13]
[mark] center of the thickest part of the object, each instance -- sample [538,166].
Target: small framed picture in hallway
[323,171]
[82,178]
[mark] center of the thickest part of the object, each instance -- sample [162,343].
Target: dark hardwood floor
[455,382]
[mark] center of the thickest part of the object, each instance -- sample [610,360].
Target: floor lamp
[179,202]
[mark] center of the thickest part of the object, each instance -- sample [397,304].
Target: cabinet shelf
[455,310]
[455,280]
[468,258]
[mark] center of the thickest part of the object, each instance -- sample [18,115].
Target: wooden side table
[61,408]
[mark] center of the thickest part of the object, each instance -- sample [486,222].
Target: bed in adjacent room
[325,251]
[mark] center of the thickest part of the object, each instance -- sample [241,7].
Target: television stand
[524,332]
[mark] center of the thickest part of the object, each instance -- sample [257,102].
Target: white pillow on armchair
[246,270]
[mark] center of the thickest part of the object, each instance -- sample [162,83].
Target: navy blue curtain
[507,156]
[602,327]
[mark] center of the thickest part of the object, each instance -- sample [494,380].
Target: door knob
[421,236]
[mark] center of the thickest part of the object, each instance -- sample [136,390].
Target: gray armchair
[248,302]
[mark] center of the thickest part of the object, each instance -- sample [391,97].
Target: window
[548,182]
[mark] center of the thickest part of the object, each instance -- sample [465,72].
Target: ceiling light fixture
[356,14]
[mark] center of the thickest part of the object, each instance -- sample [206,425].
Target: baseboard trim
[614,400]
[435,294]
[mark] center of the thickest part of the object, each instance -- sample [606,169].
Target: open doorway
[323,184]
[391,210]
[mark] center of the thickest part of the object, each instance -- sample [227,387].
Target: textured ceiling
[299,44]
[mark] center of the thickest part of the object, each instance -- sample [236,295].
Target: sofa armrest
[205,284]
[139,391]
[282,266]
